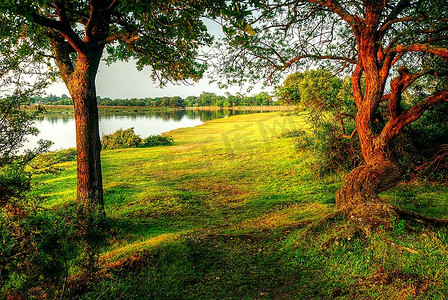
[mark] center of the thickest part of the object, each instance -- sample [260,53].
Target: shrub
[36,253]
[44,162]
[424,147]
[330,153]
[14,181]
[158,140]
[333,153]
[121,139]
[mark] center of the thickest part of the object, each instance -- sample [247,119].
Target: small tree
[289,92]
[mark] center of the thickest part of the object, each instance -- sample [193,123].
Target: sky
[123,80]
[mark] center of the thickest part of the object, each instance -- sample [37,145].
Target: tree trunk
[83,91]
[358,196]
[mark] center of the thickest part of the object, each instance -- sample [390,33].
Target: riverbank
[264,108]
[225,213]
[54,109]
[69,109]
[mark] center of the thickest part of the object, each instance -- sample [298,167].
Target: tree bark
[81,85]
[358,196]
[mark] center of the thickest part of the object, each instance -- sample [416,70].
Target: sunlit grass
[222,214]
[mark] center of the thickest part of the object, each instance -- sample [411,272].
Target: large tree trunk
[358,196]
[82,89]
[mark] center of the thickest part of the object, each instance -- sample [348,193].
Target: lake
[60,128]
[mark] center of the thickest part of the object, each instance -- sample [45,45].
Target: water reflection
[60,128]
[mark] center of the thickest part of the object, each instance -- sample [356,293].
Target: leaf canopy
[164,35]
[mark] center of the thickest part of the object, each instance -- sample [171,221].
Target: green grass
[221,215]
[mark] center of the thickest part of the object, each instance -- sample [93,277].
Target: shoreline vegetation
[69,108]
[227,211]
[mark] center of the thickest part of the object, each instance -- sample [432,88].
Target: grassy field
[225,213]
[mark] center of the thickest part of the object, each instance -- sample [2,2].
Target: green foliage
[204,99]
[169,39]
[398,226]
[128,139]
[333,153]
[14,181]
[157,140]
[45,162]
[423,147]
[312,88]
[329,104]
[121,139]
[15,123]
[37,250]
[330,153]
[289,92]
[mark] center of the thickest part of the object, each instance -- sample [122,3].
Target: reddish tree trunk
[81,86]
[358,196]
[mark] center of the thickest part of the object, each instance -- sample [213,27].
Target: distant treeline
[205,99]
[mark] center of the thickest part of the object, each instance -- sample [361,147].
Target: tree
[289,92]
[393,44]
[312,88]
[164,35]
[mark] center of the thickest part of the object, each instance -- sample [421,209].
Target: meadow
[233,210]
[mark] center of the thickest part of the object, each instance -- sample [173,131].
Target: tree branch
[93,19]
[399,84]
[330,57]
[62,50]
[112,5]
[333,6]
[395,125]
[356,83]
[350,137]
[64,29]
[439,51]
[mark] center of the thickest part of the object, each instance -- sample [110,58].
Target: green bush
[157,140]
[14,181]
[36,251]
[36,246]
[127,139]
[45,161]
[121,139]
[330,152]
[423,147]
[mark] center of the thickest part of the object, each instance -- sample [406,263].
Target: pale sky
[122,80]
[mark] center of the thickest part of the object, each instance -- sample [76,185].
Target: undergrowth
[225,213]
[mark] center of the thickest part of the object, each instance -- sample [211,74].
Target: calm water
[60,129]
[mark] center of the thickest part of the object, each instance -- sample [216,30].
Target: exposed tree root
[410,215]
[318,224]
[372,217]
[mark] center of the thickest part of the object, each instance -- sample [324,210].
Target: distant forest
[205,99]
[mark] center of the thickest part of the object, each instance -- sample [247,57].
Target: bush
[423,147]
[157,140]
[330,152]
[14,181]
[127,139]
[44,162]
[36,252]
[36,246]
[121,139]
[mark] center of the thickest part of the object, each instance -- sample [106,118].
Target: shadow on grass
[228,266]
